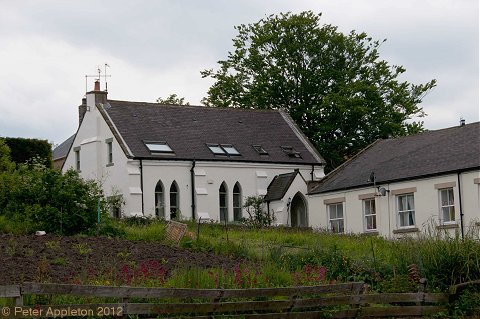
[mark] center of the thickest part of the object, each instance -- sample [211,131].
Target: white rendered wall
[280,209]
[253,179]
[136,180]
[427,205]
[120,178]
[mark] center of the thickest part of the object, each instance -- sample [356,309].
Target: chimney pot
[462,121]
[97,86]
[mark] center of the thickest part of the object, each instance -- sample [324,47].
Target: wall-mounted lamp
[289,201]
[382,191]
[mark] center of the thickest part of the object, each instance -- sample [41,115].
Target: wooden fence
[346,300]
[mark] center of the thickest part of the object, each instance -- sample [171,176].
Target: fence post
[422,285]
[422,289]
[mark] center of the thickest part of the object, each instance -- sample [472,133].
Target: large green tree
[335,86]
[173,99]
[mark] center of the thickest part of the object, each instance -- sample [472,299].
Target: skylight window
[291,152]
[230,149]
[224,149]
[260,150]
[158,147]
[216,149]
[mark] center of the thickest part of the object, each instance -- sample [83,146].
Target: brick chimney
[89,102]
[100,96]
[82,109]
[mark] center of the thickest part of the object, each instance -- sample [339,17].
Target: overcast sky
[155,48]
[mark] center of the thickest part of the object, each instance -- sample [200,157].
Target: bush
[257,216]
[5,160]
[468,304]
[44,199]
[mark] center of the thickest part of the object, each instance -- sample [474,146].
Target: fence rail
[347,300]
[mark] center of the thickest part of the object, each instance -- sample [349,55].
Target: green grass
[279,253]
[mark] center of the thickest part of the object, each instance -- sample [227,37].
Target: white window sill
[448,226]
[405,230]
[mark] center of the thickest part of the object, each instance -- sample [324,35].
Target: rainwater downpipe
[192,177]
[460,203]
[141,185]
[311,173]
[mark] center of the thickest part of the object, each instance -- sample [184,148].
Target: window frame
[259,149]
[450,206]
[340,221]
[223,149]
[159,199]
[174,209]
[237,196]
[76,151]
[166,151]
[109,143]
[370,215]
[223,210]
[290,151]
[405,211]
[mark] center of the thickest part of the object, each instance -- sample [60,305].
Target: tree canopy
[173,99]
[335,86]
[25,150]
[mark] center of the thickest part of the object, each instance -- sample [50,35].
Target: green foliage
[333,85]
[141,228]
[25,150]
[5,160]
[173,99]
[468,304]
[40,198]
[257,216]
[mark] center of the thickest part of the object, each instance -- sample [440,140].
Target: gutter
[460,204]
[192,177]
[226,159]
[141,186]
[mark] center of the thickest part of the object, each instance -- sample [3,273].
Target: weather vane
[98,76]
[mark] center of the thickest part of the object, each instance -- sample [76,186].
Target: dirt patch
[66,259]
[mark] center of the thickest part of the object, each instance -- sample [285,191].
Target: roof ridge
[241,109]
[432,131]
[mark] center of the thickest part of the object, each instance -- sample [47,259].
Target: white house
[399,186]
[176,161]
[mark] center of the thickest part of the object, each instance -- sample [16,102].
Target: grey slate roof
[279,186]
[426,154]
[187,130]
[61,150]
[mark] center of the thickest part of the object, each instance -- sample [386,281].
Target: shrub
[257,216]
[44,199]
[5,160]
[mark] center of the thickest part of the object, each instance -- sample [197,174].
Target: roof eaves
[224,159]
[397,180]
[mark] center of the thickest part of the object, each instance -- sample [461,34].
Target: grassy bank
[387,265]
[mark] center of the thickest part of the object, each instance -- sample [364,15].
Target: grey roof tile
[187,130]
[425,154]
[61,150]
[279,186]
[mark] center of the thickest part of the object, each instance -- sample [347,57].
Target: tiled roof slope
[426,154]
[61,150]
[279,186]
[187,129]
